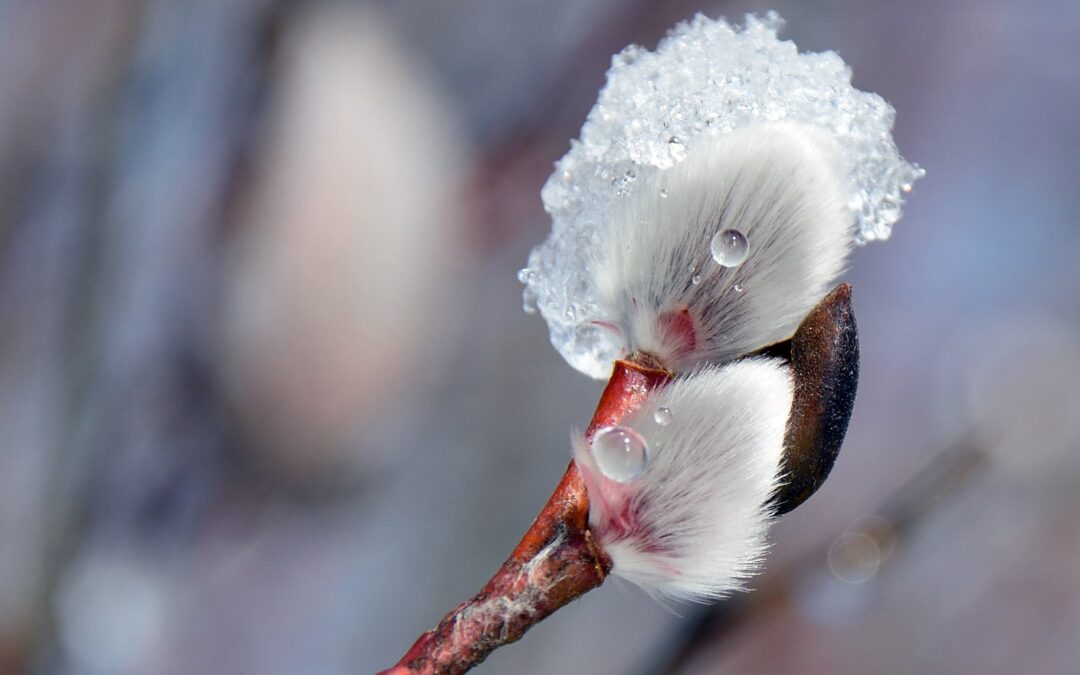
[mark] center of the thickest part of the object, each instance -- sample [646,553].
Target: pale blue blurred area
[239,437]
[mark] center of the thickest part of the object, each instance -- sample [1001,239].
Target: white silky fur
[692,525]
[776,183]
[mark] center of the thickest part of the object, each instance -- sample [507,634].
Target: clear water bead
[620,453]
[663,416]
[696,279]
[738,288]
[729,248]
[528,302]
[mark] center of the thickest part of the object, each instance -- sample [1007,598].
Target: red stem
[556,561]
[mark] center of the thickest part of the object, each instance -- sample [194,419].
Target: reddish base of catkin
[557,560]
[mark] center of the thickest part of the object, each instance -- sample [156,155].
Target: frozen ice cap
[706,80]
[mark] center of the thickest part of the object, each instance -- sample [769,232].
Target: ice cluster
[707,78]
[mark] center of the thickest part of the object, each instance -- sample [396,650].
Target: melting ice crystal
[706,78]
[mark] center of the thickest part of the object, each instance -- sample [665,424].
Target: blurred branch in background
[206,207]
[852,558]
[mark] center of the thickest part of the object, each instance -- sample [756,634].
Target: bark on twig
[557,560]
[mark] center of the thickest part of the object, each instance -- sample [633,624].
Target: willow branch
[557,561]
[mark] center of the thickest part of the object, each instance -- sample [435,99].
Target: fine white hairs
[692,525]
[706,82]
[660,289]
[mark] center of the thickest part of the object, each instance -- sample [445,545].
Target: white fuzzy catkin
[692,525]
[777,184]
[706,82]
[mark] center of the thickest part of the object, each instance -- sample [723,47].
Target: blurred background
[269,403]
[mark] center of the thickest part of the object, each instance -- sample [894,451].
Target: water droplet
[663,416]
[730,248]
[696,279]
[570,314]
[620,453]
[528,304]
[525,275]
[663,194]
[738,288]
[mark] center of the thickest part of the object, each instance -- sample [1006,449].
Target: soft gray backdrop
[269,403]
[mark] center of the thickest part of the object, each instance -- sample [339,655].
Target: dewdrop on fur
[620,453]
[706,84]
[692,525]
[663,416]
[729,248]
